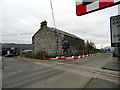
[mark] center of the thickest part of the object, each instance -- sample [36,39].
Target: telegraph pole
[52,14]
[56,33]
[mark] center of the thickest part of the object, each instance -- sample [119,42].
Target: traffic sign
[115,30]
[88,6]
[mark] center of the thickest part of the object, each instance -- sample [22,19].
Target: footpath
[114,64]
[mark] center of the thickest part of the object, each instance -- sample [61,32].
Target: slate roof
[60,31]
[64,33]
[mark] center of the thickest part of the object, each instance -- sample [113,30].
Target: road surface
[80,73]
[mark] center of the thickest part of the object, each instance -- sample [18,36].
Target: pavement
[113,64]
[98,83]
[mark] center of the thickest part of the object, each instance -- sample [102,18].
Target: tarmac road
[93,61]
[82,73]
[22,74]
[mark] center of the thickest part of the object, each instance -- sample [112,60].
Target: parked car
[9,55]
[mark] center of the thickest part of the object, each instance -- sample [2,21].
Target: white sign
[115,30]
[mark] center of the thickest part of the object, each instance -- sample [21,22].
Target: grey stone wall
[75,45]
[44,40]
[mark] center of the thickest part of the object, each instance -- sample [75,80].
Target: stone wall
[75,45]
[44,40]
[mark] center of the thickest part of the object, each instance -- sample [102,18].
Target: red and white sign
[88,6]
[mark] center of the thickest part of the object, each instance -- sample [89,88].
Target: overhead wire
[16,34]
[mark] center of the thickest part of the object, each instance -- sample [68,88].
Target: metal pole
[117,52]
[56,34]
[52,13]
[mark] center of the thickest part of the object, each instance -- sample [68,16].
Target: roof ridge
[64,32]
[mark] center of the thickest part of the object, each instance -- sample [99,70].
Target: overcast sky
[25,16]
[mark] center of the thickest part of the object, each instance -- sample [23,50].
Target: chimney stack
[43,24]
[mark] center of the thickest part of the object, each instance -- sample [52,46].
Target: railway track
[101,72]
[113,75]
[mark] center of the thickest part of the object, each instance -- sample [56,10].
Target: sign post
[115,33]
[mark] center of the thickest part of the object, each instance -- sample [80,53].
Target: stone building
[56,42]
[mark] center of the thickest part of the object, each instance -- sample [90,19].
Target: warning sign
[115,30]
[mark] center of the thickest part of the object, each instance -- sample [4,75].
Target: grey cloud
[22,16]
